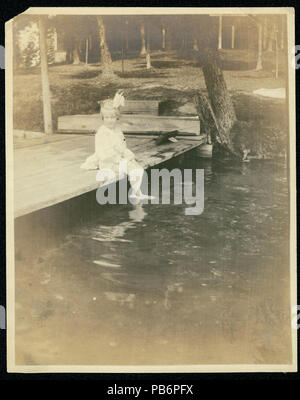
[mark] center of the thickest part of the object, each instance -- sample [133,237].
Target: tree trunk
[163,37]
[282,32]
[87,50]
[148,60]
[106,61]
[218,94]
[76,59]
[143,48]
[222,142]
[220,33]
[259,48]
[232,36]
[45,78]
[265,33]
[217,116]
[126,35]
[276,56]
[148,57]
[271,38]
[195,45]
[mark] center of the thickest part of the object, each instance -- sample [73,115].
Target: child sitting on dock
[111,148]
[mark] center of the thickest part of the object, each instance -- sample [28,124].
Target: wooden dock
[47,170]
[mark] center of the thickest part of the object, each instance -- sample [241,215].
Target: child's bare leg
[135,174]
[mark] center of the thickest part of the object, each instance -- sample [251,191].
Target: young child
[111,148]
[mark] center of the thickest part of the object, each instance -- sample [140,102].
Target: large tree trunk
[259,47]
[217,116]
[218,94]
[222,141]
[143,40]
[106,61]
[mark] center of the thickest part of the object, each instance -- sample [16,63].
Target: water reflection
[115,233]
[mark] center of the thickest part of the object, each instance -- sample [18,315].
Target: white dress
[110,149]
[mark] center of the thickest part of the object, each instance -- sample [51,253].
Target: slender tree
[271,36]
[106,61]
[259,46]
[220,33]
[195,45]
[258,21]
[282,31]
[76,56]
[143,39]
[265,32]
[148,56]
[45,77]
[163,37]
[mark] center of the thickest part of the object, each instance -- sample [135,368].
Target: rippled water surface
[123,284]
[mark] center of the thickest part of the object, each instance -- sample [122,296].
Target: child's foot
[141,196]
[145,197]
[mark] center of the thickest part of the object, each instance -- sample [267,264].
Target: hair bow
[119,100]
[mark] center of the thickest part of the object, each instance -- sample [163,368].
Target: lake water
[124,284]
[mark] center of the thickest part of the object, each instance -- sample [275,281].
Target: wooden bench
[149,107]
[132,124]
[138,117]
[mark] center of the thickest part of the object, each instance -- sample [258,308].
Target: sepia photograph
[151,190]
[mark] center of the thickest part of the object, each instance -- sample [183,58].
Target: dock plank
[48,174]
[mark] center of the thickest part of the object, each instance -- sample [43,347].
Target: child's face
[110,119]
